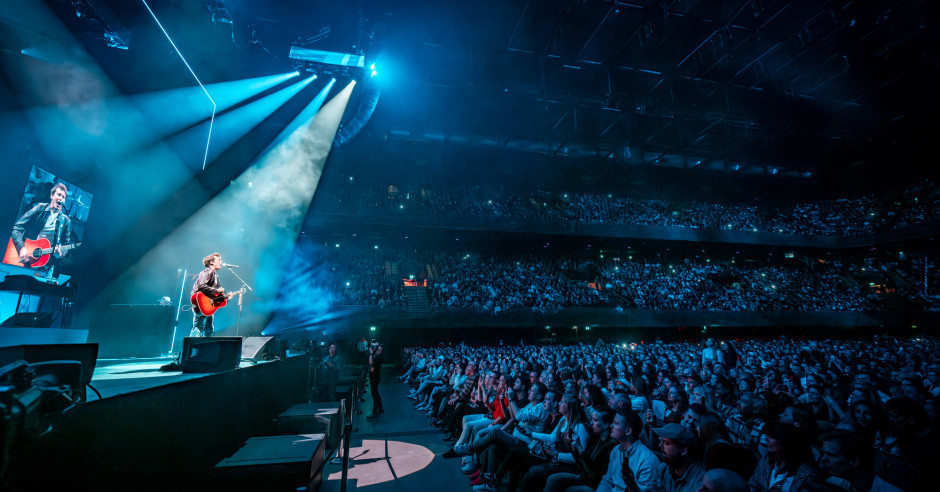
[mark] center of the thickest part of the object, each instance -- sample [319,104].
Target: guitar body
[12,256]
[38,248]
[205,305]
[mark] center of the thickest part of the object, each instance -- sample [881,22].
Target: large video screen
[47,234]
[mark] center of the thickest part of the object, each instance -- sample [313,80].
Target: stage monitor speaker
[210,354]
[258,348]
[85,353]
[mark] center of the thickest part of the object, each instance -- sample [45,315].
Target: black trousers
[376,397]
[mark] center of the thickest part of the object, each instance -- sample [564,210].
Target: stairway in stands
[418,299]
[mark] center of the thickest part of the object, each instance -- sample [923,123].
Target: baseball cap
[676,432]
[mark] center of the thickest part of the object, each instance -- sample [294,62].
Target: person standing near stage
[375,376]
[362,348]
[362,359]
[330,367]
[208,283]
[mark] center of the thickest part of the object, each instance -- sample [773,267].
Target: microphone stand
[244,286]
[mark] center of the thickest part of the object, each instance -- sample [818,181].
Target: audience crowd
[547,283]
[781,415]
[852,216]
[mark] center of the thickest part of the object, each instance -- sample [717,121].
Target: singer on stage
[208,283]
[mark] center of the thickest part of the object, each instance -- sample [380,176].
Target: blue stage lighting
[236,123]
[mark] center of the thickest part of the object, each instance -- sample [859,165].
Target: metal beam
[591,37]
[561,19]
[518,23]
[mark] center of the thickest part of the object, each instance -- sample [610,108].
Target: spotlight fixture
[335,64]
[99,22]
[220,14]
[117,40]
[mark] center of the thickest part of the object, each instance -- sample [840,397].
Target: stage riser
[309,418]
[274,464]
[161,438]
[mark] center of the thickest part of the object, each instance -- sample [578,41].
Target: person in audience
[788,465]
[480,402]
[745,426]
[681,469]
[677,402]
[849,463]
[591,462]
[722,480]
[632,466]
[907,445]
[458,401]
[865,418]
[561,446]
[719,451]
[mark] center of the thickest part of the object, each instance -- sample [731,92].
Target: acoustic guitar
[40,251]
[208,306]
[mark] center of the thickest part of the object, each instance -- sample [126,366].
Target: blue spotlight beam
[153,104]
[238,122]
[304,117]
[212,120]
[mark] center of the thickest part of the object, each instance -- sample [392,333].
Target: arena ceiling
[791,88]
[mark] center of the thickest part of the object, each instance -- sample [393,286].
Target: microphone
[230,266]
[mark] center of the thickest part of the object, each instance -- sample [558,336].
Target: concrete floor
[398,451]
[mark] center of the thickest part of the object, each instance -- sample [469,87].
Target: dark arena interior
[575,245]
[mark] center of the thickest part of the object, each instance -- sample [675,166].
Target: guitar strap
[58,228]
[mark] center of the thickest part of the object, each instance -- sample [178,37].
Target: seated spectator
[721,480]
[865,418]
[719,451]
[681,469]
[849,462]
[788,466]
[907,446]
[632,466]
[591,462]
[745,425]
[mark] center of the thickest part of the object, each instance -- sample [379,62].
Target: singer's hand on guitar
[233,294]
[25,257]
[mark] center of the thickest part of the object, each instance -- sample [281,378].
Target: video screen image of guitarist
[50,223]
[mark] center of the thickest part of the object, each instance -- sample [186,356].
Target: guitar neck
[46,251]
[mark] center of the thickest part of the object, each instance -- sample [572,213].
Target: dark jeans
[202,325]
[454,420]
[535,478]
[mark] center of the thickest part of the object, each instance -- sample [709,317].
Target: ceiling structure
[802,89]
[795,88]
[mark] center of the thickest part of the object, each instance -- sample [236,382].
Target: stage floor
[114,377]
